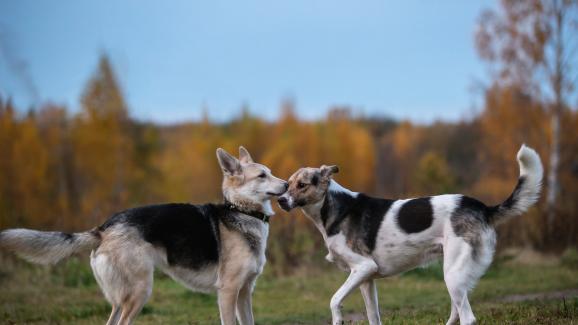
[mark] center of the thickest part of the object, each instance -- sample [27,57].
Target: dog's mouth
[285,207]
[275,194]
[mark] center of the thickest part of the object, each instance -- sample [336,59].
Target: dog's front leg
[369,293]
[227,297]
[244,303]
[359,273]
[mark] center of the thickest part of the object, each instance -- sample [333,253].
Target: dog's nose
[284,203]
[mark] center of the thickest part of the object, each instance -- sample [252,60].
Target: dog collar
[255,214]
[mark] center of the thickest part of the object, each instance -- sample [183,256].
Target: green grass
[67,294]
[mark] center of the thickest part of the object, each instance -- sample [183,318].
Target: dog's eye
[262,175]
[301,185]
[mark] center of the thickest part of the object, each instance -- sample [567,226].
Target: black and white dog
[374,238]
[205,247]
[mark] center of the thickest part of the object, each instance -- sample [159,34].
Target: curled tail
[47,247]
[526,192]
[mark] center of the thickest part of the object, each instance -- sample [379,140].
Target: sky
[411,59]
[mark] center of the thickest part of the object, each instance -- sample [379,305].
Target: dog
[210,247]
[374,237]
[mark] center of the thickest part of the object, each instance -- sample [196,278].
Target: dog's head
[246,183]
[307,186]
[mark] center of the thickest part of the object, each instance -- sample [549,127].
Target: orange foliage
[71,172]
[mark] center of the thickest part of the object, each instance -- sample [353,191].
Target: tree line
[70,171]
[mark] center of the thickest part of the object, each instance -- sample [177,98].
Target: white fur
[45,247]
[267,208]
[336,187]
[203,280]
[396,251]
[532,171]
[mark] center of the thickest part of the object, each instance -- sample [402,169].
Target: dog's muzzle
[284,203]
[286,185]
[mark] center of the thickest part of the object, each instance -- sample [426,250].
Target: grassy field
[68,294]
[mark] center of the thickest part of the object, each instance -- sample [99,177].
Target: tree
[103,146]
[532,43]
[54,130]
[433,175]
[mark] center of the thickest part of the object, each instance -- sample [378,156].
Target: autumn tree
[24,169]
[54,129]
[102,144]
[532,44]
[433,176]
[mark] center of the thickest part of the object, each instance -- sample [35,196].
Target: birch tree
[533,44]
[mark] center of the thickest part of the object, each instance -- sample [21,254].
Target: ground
[509,293]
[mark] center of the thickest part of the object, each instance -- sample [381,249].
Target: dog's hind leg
[369,293]
[123,266]
[134,290]
[132,307]
[136,273]
[98,271]
[457,257]
[114,315]
[454,316]
[126,287]
[463,267]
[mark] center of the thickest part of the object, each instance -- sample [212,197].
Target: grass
[68,294]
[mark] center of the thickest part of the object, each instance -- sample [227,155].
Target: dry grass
[67,294]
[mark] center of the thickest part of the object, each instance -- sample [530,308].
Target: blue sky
[410,59]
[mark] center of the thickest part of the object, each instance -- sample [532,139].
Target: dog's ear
[244,155]
[327,171]
[229,164]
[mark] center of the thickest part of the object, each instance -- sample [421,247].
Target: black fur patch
[469,220]
[508,203]
[468,204]
[366,217]
[359,218]
[188,233]
[513,198]
[315,180]
[336,207]
[415,215]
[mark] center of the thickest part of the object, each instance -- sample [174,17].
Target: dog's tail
[47,247]
[526,192]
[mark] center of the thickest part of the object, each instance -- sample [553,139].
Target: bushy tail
[527,191]
[47,247]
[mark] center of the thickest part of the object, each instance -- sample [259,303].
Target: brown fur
[309,185]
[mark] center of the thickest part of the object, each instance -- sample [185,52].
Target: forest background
[70,171]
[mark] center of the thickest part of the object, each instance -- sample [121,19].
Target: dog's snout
[284,203]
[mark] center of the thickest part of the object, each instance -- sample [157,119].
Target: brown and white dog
[372,237]
[205,247]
